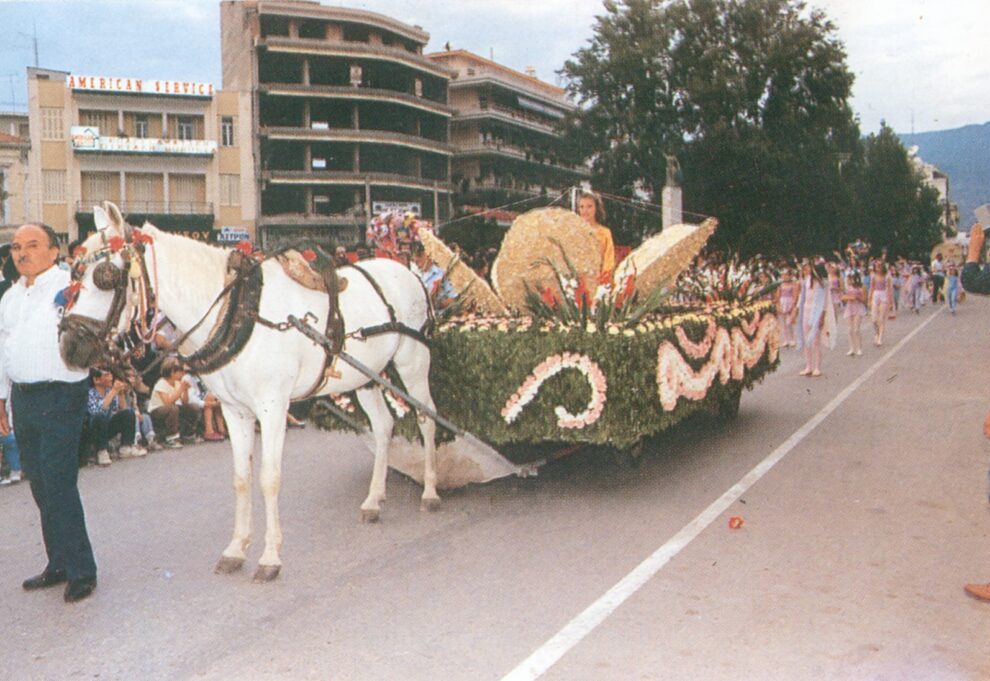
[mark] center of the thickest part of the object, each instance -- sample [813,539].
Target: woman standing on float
[816,316]
[590,207]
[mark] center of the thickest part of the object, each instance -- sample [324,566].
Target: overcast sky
[919,64]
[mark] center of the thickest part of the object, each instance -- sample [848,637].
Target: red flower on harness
[116,243]
[79,251]
[67,297]
[245,247]
[309,255]
[139,237]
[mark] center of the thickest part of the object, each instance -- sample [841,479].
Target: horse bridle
[109,277]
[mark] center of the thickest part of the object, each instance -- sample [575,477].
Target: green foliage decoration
[478,363]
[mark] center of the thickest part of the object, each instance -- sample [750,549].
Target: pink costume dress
[855,308]
[787,298]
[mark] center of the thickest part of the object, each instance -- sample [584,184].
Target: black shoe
[78,589]
[44,580]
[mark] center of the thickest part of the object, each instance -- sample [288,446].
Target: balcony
[356,94]
[508,115]
[354,50]
[151,207]
[516,153]
[313,219]
[365,136]
[359,179]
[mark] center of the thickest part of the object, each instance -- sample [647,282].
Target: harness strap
[390,327]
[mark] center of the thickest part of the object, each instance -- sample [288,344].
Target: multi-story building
[504,130]
[348,117]
[939,181]
[14,146]
[163,150]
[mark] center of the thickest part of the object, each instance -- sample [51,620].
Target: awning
[533,105]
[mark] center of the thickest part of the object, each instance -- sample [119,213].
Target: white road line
[574,631]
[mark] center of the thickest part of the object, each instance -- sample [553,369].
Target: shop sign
[139,86]
[401,207]
[228,235]
[87,138]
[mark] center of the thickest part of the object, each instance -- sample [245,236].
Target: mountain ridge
[964,155]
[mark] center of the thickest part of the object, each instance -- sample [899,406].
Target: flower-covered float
[552,354]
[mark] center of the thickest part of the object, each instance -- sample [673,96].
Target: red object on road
[735,522]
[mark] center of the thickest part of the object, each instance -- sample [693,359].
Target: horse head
[96,300]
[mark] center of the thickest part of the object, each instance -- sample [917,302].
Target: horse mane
[196,263]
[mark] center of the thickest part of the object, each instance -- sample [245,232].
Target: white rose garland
[552,366]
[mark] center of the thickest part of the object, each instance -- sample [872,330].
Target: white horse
[275,366]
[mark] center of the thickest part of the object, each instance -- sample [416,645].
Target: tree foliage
[751,95]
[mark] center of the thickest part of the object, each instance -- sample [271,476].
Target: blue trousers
[48,420]
[10,452]
[102,428]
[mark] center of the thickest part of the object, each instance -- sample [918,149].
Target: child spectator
[171,413]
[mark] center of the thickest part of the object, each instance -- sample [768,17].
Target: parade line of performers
[120,416]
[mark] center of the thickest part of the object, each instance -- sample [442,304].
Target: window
[230,190]
[186,128]
[187,193]
[142,194]
[54,185]
[98,187]
[227,131]
[106,121]
[141,126]
[52,124]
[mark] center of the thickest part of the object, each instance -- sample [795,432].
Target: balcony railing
[354,49]
[365,136]
[88,140]
[152,207]
[343,177]
[355,93]
[519,153]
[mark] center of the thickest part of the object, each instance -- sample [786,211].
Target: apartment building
[504,131]
[167,151]
[15,142]
[348,118]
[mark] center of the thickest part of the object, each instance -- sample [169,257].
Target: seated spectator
[11,455]
[214,427]
[109,415]
[171,413]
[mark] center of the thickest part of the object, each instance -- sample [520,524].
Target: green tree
[751,95]
[897,209]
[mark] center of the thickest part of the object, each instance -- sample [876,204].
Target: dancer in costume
[816,317]
[787,295]
[855,300]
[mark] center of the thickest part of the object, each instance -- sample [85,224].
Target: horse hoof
[266,573]
[429,505]
[369,515]
[227,565]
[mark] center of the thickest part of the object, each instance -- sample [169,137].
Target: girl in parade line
[952,287]
[787,295]
[896,282]
[881,295]
[816,317]
[855,300]
[914,289]
[835,286]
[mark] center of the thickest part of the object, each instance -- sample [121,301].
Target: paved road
[850,564]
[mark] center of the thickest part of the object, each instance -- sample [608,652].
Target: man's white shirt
[29,321]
